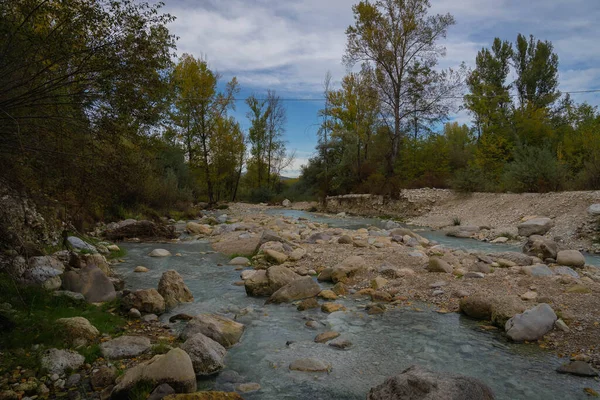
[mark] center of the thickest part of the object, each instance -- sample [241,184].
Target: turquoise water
[383,345]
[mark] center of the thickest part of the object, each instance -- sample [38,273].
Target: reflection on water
[382,345]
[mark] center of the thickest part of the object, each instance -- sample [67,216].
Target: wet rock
[340,289]
[174,368]
[241,261]
[78,328]
[232,244]
[375,308]
[140,269]
[340,343]
[439,265]
[578,368]
[417,383]
[381,296]
[308,304]
[325,275]
[537,270]
[173,289]
[478,306]
[279,276]
[533,324]
[222,330]
[90,281]
[535,226]
[332,307]
[57,361]
[145,300]
[125,347]
[326,336]
[160,253]
[298,289]
[312,325]
[327,295]
[248,387]
[539,246]
[310,365]
[256,283]
[208,356]
[570,258]
[198,229]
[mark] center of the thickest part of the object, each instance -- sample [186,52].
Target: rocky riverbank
[545,298]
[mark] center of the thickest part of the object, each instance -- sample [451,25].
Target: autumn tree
[198,110]
[400,40]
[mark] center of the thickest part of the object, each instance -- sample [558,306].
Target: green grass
[161,347]
[141,390]
[114,255]
[91,353]
[36,313]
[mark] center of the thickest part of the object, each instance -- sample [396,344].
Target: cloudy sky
[289,45]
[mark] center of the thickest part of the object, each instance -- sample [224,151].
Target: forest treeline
[101,118]
[387,127]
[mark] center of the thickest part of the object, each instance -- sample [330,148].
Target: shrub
[534,170]
[469,180]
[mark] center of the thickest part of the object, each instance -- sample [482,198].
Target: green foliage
[161,347]
[141,390]
[38,309]
[91,353]
[534,170]
[456,221]
[469,180]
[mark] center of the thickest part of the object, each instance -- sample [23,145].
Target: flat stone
[326,336]
[125,347]
[332,307]
[340,343]
[57,361]
[159,253]
[474,275]
[535,226]
[310,365]
[537,270]
[241,261]
[578,368]
[529,296]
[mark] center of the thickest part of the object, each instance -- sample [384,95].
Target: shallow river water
[383,345]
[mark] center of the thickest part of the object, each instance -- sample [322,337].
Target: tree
[257,135]
[323,138]
[197,111]
[275,128]
[489,100]
[400,40]
[537,72]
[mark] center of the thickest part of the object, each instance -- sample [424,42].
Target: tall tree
[395,36]
[199,107]
[257,135]
[537,72]
[276,121]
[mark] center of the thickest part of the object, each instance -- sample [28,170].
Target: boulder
[141,268]
[78,328]
[347,268]
[505,307]
[103,377]
[541,247]
[90,281]
[79,244]
[257,283]
[139,229]
[275,256]
[173,289]
[207,355]
[232,244]
[345,239]
[570,258]
[240,261]
[161,391]
[537,270]
[517,258]
[297,254]
[58,361]
[146,301]
[310,365]
[535,226]
[533,324]
[308,304]
[174,368]
[279,276]
[298,289]
[417,383]
[332,307]
[439,265]
[44,271]
[98,260]
[160,253]
[195,228]
[578,368]
[222,330]
[286,203]
[125,347]
[594,210]
[478,306]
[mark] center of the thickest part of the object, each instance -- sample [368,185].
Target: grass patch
[141,390]
[116,254]
[91,353]
[38,309]
[456,221]
[162,347]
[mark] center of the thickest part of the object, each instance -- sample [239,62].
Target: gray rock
[474,275]
[566,271]
[417,383]
[517,258]
[578,368]
[174,368]
[340,343]
[134,313]
[299,289]
[570,258]
[149,317]
[90,281]
[541,247]
[234,244]
[125,347]
[145,300]
[173,289]
[161,392]
[533,324]
[79,244]
[222,330]
[310,365]
[208,356]
[71,295]
[57,361]
[537,270]
[286,203]
[241,261]
[594,209]
[535,226]
[160,253]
